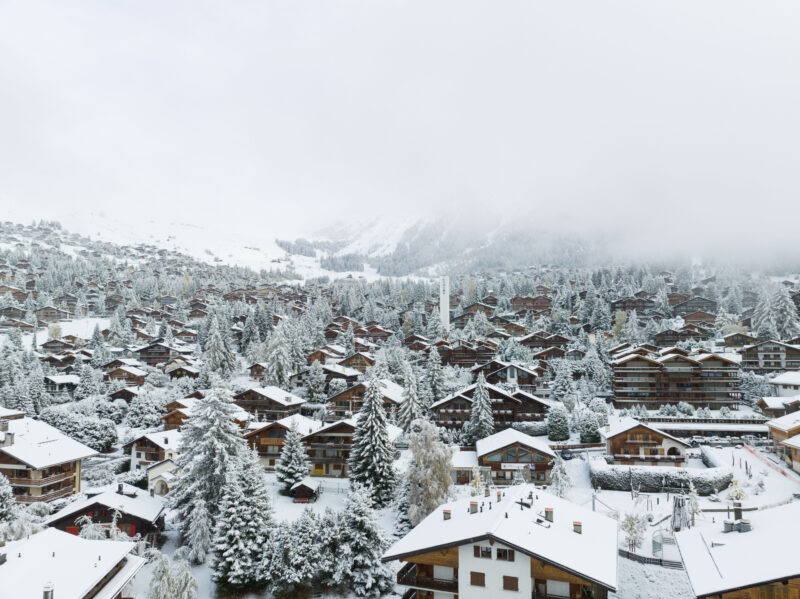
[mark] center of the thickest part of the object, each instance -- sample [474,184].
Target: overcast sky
[589,114]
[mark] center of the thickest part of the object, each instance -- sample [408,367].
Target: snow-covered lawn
[644,581]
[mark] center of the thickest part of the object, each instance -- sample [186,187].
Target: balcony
[407,576]
[57,494]
[40,482]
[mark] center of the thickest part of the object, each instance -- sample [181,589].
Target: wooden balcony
[40,482]
[407,576]
[57,494]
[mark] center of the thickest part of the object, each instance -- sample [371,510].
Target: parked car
[566,454]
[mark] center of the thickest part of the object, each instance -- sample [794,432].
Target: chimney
[446,514]
[548,514]
[486,491]
[498,497]
[119,489]
[47,593]
[8,440]
[152,492]
[737,510]
[577,527]
[473,507]
[3,426]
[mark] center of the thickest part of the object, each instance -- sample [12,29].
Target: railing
[65,492]
[649,458]
[408,576]
[39,482]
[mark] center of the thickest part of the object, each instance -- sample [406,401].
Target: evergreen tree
[428,475]
[784,313]
[363,544]
[481,421]
[402,522]
[211,445]
[563,389]
[557,423]
[217,351]
[279,360]
[560,481]
[371,453]
[87,385]
[589,427]
[410,409]
[767,331]
[171,580]
[316,382]
[302,553]
[434,377]
[7,504]
[245,522]
[435,329]
[330,566]
[293,465]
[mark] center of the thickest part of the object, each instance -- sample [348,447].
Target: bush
[98,433]
[652,479]
[534,429]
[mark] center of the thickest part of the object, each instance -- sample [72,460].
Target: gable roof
[625,424]
[40,445]
[785,423]
[132,501]
[508,437]
[592,555]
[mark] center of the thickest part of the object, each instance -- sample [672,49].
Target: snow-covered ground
[81,327]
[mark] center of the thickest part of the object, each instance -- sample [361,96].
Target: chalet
[161,476]
[119,362]
[52,563]
[465,354]
[743,558]
[23,326]
[669,337]
[126,394]
[520,542]
[416,342]
[653,380]
[18,294]
[329,447]
[785,427]
[305,491]
[137,514]
[40,462]
[359,360]
[12,313]
[476,307]
[328,353]
[695,304]
[775,407]
[268,403]
[153,447]
[267,438]
[61,383]
[179,371]
[56,345]
[700,317]
[129,375]
[497,372]
[630,442]
[51,314]
[791,452]
[507,407]
[510,455]
[157,353]
[628,304]
[349,401]
[786,384]
[511,328]
[537,303]
[332,371]
[738,340]
[551,353]
[770,356]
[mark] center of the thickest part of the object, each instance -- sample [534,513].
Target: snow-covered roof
[793,442]
[508,436]
[591,555]
[787,378]
[464,459]
[302,424]
[777,403]
[164,439]
[40,445]
[342,370]
[785,423]
[717,562]
[279,395]
[391,390]
[72,564]
[63,379]
[6,413]
[132,370]
[625,424]
[755,427]
[133,501]
[393,430]
[308,482]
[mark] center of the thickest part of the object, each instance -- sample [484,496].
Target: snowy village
[176,429]
[399,299]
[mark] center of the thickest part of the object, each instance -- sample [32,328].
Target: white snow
[40,445]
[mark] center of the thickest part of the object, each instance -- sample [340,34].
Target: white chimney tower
[444,301]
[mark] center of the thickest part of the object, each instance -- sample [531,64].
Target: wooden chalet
[268,403]
[628,304]
[695,304]
[152,448]
[51,314]
[700,317]
[350,400]
[511,456]
[126,394]
[737,340]
[129,375]
[630,443]
[463,353]
[329,447]
[770,356]
[538,303]
[497,372]
[267,438]
[359,361]
[507,407]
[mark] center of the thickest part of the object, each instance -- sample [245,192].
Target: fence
[656,561]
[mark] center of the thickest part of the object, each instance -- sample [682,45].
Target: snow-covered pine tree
[589,427]
[767,331]
[411,408]
[302,554]
[316,382]
[371,453]
[429,471]
[244,524]
[7,504]
[402,523]
[362,545]
[293,466]
[217,351]
[330,567]
[563,389]
[434,329]
[557,423]
[211,445]
[481,420]
[560,481]
[784,313]
[434,377]
[87,385]
[279,360]
[170,580]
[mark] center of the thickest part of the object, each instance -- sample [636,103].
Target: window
[505,554]
[479,551]
[477,579]
[510,583]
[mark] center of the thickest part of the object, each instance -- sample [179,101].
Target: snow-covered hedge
[534,429]
[98,433]
[653,479]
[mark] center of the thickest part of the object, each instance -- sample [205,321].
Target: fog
[657,123]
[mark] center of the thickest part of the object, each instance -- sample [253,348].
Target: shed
[306,490]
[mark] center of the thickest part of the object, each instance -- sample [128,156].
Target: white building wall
[494,570]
